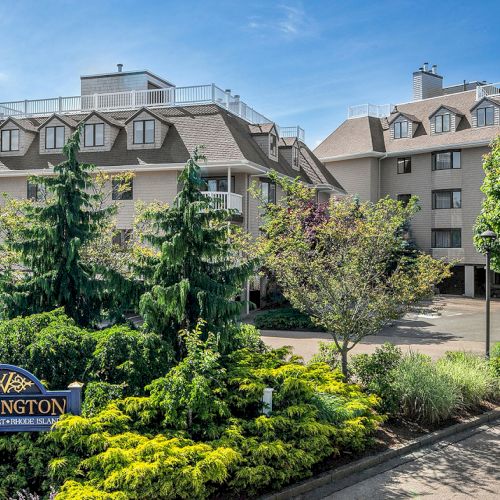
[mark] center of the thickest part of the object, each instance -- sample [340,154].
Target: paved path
[451,324]
[468,469]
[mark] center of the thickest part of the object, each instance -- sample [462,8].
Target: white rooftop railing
[487,90]
[376,110]
[122,101]
[292,132]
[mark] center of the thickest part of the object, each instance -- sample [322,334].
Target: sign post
[25,404]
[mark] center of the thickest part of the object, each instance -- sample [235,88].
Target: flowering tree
[346,264]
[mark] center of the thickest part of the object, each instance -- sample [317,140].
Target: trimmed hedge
[285,318]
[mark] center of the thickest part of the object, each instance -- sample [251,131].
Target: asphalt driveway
[451,323]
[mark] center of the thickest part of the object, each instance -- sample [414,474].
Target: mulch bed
[396,433]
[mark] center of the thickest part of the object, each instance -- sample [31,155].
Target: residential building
[136,121]
[431,147]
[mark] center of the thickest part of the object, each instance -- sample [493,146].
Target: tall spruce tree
[49,244]
[196,273]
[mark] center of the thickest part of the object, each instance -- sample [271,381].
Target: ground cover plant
[284,318]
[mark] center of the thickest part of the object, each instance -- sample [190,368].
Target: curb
[302,489]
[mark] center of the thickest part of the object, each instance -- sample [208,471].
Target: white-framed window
[54,137]
[401,129]
[144,132]
[446,238]
[485,116]
[93,135]
[442,123]
[10,140]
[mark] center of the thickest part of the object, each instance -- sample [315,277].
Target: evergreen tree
[50,241]
[196,272]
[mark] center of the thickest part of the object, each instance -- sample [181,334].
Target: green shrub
[98,395]
[148,447]
[18,334]
[425,393]
[329,354]
[473,376]
[376,373]
[54,349]
[495,358]
[130,357]
[284,319]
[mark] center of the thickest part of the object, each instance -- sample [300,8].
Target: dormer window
[144,132]
[93,135]
[273,145]
[401,129]
[442,123]
[485,116]
[10,140]
[54,137]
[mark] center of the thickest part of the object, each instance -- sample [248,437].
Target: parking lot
[449,323]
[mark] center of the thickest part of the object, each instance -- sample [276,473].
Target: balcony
[226,201]
[376,110]
[487,90]
[136,99]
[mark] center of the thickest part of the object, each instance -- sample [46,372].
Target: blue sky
[298,62]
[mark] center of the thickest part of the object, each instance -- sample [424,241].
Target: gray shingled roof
[371,136]
[224,136]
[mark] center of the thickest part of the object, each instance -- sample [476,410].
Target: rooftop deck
[383,110]
[135,99]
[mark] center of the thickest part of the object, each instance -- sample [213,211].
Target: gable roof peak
[149,112]
[67,120]
[103,117]
[24,125]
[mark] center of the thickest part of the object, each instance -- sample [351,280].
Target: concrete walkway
[452,323]
[468,469]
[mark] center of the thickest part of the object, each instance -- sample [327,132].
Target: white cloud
[291,21]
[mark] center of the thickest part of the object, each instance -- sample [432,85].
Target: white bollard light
[267,399]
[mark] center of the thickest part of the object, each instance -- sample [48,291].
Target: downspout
[380,175]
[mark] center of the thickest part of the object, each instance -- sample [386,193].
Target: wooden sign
[25,404]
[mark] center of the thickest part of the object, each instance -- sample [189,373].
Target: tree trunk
[343,353]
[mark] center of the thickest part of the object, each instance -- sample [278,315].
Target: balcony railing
[118,101]
[225,201]
[292,132]
[487,90]
[376,110]
[135,99]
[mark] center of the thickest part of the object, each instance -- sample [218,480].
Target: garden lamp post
[489,238]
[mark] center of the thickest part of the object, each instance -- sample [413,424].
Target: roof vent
[425,67]
[120,67]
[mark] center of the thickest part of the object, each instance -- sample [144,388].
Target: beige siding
[148,187]
[358,177]
[15,187]
[422,181]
